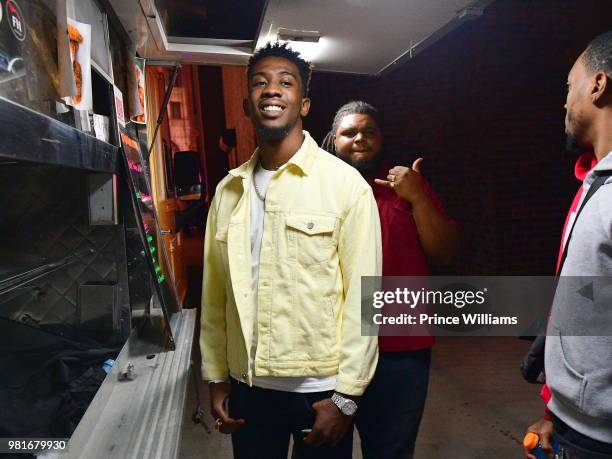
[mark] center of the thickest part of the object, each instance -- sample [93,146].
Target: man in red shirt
[414,227]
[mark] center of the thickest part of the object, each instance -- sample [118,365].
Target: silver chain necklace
[257,192]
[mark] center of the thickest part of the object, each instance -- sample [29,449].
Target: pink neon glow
[135,166]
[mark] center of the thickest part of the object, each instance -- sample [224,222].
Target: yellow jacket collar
[303,159]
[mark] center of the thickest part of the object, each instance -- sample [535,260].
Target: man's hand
[219,394]
[330,425]
[544,429]
[405,181]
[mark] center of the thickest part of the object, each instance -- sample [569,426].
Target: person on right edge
[579,368]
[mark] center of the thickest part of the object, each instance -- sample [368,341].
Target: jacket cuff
[351,386]
[214,374]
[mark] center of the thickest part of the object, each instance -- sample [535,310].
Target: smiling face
[358,141]
[276,103]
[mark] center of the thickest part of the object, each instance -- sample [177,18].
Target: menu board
[146,216]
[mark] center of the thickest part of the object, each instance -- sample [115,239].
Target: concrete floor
[478,405]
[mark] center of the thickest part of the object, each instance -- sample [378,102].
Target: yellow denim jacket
[321,234]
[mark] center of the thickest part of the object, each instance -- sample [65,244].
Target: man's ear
[600,85]
[245,107]
[305,108]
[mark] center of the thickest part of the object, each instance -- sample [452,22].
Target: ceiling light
[305,42]
[306,36]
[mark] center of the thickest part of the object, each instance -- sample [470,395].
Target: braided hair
[355,107]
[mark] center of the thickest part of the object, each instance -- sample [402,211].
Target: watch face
[349,407]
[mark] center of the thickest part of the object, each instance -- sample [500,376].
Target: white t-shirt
[262,178]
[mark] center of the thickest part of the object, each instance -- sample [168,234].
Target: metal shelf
[143,416]
[26,135]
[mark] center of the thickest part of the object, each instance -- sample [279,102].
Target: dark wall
[213,120]
[484,107]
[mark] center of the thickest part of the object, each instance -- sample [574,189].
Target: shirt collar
[303,159]
[584,164]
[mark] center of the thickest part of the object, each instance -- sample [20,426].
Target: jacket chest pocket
[311,238]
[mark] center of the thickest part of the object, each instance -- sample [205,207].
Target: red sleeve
[546,396]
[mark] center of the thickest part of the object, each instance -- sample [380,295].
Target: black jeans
[578,446]
[391,408]
[271,417]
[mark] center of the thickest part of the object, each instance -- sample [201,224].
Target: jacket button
[310,225]
[244,376]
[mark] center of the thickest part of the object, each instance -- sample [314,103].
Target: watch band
[346,406]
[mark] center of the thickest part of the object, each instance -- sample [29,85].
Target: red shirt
[403,254]
[583,166]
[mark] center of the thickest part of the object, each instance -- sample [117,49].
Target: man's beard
[573,144]
[366,167]
[572,139]
[274,134]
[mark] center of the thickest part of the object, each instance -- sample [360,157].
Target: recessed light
[308,36]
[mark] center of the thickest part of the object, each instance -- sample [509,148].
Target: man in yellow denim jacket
[288,237]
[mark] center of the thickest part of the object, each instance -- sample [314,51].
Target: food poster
[79,35]
[67,86]
[140,115]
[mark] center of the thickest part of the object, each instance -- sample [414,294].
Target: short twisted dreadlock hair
[598,54]
[283,50]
